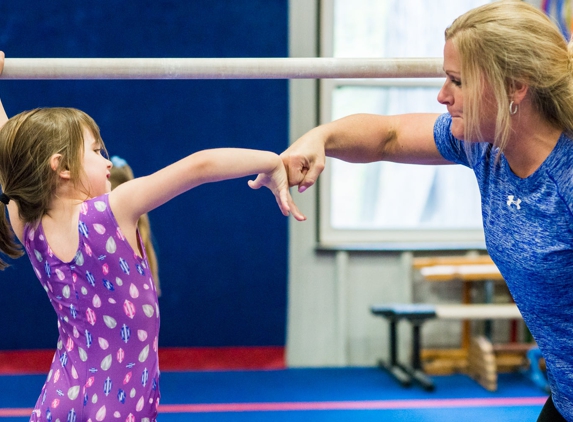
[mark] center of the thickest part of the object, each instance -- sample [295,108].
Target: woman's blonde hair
[121,172]
[508,42]
[27,143]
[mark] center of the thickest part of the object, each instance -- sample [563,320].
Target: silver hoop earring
[512,109]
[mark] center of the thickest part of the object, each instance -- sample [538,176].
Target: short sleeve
[452,149]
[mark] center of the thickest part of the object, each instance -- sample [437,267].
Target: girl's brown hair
[27,143]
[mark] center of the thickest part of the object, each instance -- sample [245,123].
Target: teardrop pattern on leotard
[105,367]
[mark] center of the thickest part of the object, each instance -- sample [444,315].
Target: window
[396,206]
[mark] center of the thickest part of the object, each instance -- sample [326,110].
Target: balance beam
[477,311]
[467,272]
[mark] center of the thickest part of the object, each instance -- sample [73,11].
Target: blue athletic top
[528,225]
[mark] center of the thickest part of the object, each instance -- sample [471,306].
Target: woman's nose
[443,96]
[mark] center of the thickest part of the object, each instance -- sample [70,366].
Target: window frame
[378,239]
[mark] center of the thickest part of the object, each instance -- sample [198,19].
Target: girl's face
[451,95]
[95,166]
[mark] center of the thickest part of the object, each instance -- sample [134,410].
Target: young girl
[83,243]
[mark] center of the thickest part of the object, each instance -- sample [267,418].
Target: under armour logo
[511,201]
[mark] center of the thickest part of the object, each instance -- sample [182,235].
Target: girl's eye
[101,152]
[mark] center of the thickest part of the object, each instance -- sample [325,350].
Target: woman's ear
[518,91]
[55,161]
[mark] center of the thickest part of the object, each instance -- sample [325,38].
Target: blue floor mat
[524,414]
[324,384]
[330,385]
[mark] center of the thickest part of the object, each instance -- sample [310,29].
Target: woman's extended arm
[362,138]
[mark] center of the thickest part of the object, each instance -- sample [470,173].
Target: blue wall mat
[222,247]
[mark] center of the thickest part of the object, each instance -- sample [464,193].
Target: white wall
[330,293]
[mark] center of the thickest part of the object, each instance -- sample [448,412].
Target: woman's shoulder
[456,150]
[442,127]
[560,168]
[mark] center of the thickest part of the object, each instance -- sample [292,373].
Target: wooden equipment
[471,271]
[483,359]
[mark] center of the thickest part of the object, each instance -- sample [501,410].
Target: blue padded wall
[222,247]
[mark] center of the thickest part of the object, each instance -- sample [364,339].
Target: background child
[120,173]
[82,241]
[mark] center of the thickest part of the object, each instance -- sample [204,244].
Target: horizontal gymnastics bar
[217,68]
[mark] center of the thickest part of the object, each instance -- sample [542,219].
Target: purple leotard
[105,366]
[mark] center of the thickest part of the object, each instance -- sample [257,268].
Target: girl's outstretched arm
[3,115]
[136,197]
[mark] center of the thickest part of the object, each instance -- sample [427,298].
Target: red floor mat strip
[170,359]
[221,358]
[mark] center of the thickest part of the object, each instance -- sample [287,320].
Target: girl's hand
[277,182]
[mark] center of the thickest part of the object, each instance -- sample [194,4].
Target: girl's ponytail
[8,245]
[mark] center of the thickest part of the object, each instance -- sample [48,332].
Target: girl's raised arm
[16,223]
[3,115]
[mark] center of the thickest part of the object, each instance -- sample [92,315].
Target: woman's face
[451,95]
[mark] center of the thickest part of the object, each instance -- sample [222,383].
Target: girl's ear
[55,165]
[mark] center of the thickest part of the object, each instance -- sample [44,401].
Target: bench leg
[417,372]
[487,324]
[393,342]
[393,367]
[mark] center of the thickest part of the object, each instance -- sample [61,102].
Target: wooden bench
[474,272]
[470,270]
[417,314]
